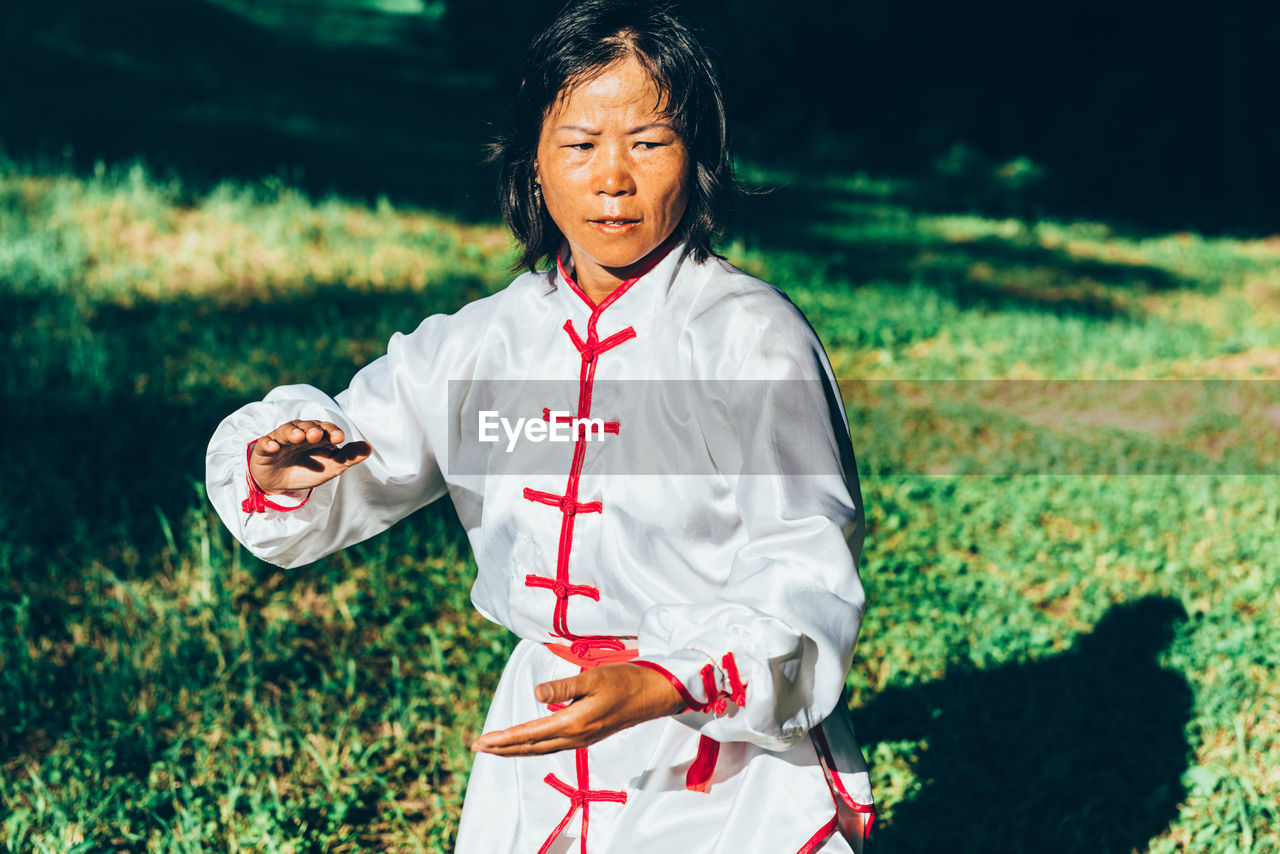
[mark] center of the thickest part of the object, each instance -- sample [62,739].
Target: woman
[685,632]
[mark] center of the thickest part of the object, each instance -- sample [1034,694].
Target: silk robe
[717,541]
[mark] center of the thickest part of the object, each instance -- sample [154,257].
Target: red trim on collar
[654,259]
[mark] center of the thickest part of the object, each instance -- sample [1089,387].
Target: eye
[649,146]
[580,146]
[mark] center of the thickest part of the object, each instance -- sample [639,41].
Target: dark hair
[584,39]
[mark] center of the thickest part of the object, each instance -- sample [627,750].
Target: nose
[613,173]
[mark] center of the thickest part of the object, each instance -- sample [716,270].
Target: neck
[599,282]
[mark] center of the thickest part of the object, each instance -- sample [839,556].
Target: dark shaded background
[1151,115]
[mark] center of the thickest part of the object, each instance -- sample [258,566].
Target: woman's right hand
[303,454]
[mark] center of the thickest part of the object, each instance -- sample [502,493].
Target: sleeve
[766,660]
[395,404]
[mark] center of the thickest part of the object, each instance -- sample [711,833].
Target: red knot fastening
[562,589]
[594,346]
[604,648]
[566,503]
[580,797]
[583,648]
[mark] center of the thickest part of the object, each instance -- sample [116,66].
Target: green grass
[1049,662]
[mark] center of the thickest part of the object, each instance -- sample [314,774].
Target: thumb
[353,452]
[560,690]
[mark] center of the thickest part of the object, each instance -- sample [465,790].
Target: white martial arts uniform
[731,568]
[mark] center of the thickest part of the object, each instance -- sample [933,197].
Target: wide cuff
[258,501]
[704,686]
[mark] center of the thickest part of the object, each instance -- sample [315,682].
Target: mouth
[614,226]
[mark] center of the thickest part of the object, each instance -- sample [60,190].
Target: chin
[619,262]
[628,252]
[616,256]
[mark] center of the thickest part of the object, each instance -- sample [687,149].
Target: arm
[389,406]
[766,660]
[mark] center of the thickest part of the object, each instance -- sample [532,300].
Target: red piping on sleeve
[698,778]
[717,701]
[737,688]
[819,839]
[257,502]
[838,790]
[689,702]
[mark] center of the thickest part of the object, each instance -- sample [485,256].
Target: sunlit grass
[139,239]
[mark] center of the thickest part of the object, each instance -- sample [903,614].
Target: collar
[636,299]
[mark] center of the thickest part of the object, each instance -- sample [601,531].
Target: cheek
[681,187]
[560,199]
[562,179]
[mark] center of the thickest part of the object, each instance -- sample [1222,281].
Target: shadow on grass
[1083,751]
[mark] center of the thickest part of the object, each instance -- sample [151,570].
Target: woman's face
[614,174]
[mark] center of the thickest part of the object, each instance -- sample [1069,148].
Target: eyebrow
[651,126]
[632,132]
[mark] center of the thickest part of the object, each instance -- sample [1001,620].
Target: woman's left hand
[604,699]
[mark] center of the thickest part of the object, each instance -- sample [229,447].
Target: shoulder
[458,333]
[741,321]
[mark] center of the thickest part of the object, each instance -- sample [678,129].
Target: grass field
[1083,660]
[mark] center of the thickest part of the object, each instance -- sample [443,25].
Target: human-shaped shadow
[1083,751]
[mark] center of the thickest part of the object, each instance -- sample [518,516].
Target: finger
[539,748]
[563,690]
[301,431]
[523,744]
[518,736]
[288,434]
[333,432]
[565,723]
[315,434]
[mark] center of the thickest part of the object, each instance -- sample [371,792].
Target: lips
[614,226]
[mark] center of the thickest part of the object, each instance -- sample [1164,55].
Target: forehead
[624,90]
